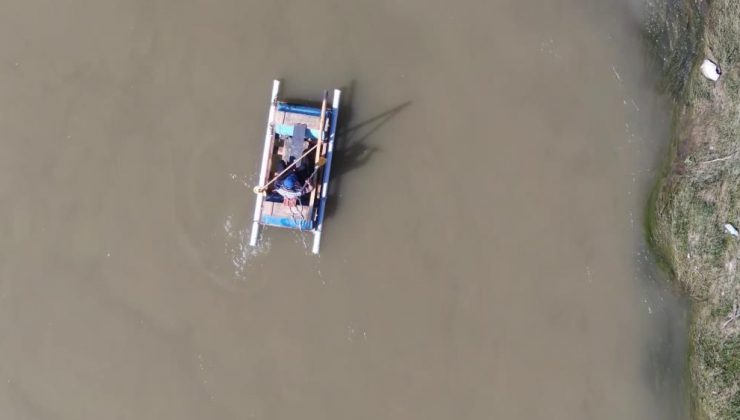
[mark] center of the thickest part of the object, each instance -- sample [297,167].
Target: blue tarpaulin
[287,222]
[287,131]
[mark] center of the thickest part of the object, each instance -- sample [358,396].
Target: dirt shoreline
[699,191]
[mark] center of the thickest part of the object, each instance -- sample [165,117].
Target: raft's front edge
[265,162]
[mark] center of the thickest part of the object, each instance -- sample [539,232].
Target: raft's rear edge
[327,172]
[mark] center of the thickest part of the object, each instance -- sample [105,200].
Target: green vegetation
[700,189]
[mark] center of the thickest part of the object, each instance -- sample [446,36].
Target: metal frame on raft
[264,166]
[324,150]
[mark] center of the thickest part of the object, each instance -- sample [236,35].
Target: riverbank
[700,189]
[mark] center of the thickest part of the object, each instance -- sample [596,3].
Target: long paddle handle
[260,189]
[319,151]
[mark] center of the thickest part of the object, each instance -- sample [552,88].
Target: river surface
[483,255]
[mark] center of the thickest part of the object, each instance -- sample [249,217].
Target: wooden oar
[319,151]
[261,189]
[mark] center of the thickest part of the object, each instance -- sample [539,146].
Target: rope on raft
[296,208]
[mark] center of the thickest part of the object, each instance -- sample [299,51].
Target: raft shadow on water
[351,149]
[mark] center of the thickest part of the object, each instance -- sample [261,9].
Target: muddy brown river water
[483,255]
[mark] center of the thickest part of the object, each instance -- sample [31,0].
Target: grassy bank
[700,189]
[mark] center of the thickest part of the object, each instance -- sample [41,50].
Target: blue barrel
[299,109]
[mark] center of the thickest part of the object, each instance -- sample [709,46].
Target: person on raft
[291,189]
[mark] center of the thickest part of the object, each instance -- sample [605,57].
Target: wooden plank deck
[279,210]
[290,118]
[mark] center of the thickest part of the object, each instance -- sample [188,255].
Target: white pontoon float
[299,140]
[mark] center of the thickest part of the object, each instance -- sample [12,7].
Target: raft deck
[291,129]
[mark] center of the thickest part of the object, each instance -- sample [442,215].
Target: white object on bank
[731,230]
[710,70]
